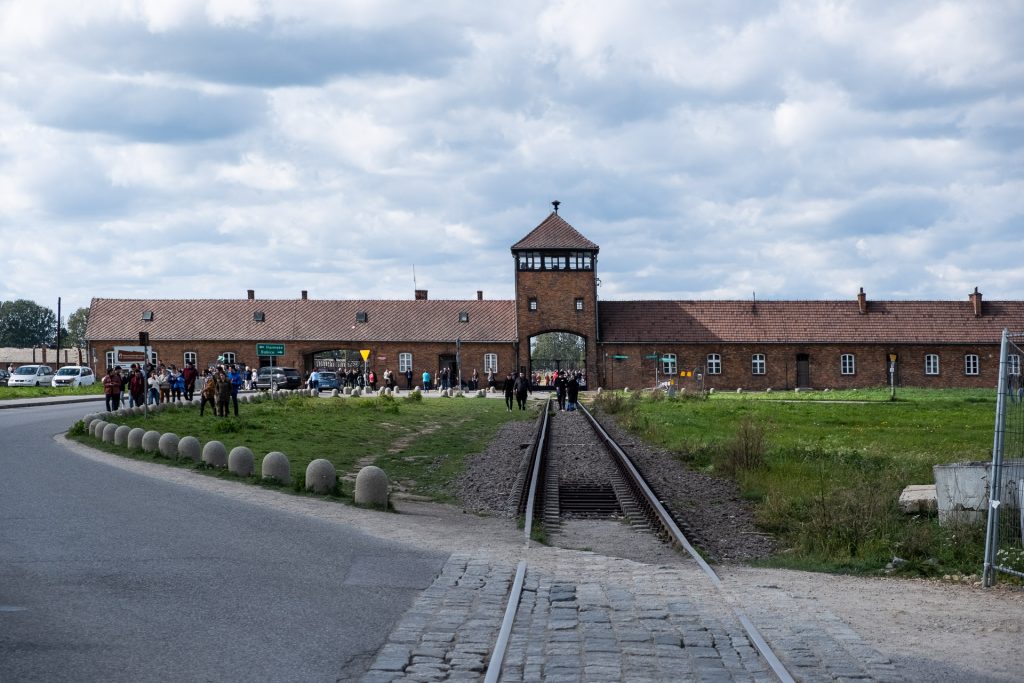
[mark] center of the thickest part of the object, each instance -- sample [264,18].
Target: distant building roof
[816,322]
[303,320]
[554,233]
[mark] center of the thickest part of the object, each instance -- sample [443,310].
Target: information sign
[270,349]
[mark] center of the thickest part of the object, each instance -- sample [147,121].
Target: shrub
[78,429]
[745,451]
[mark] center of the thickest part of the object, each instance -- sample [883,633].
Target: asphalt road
[106,575]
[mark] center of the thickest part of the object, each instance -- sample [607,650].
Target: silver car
[31,376]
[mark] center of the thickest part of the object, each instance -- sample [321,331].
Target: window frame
[230,357]
[972,359]
[929,360]
[578,304]
[714,364]
[758,364]
[531,304]
[1012,364]
[671,366]
[404,361]
[847,364]
[491,363]
[190,357]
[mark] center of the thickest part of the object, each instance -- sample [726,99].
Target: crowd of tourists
[149,385]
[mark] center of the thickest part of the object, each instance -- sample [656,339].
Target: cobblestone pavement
[585,617]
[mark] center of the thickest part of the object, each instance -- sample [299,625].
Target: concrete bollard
[96,428]
[275,466]
[108,432]
[240,461]
[372,487]
[334,393]
[190,448]
[321,476]
[135,438]
[151,441]
[89,419]
[168,445]
[215,454]
[121,435]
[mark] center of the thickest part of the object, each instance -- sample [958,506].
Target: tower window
[579,304]
[532,303]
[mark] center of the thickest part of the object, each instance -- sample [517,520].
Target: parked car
[74,376]
[3,378]
[328,380]
[31,376]
[282,378]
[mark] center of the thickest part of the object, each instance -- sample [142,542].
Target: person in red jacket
[112,389]
[190,375]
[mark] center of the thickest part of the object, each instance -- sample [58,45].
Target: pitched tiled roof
[554,233]
[302,320]
[766,322]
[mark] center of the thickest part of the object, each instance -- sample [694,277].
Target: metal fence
[1004,540]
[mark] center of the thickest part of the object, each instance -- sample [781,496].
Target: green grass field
[421,444]
[825,469]
[8,393]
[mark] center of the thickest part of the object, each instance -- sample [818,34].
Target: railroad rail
[634,498]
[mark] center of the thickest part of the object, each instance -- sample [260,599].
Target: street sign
[620,357]
[667,359]
[270,349]
[651,356]
[365,353]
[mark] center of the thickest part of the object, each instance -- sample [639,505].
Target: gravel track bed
[713,515]
[577,452]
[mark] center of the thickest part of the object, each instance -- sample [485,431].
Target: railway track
[577,470]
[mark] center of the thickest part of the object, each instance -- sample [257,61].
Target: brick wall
[871,365]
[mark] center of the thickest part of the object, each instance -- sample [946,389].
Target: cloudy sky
[180,148]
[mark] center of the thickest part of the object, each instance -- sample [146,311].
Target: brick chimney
[251,294]
[975,298]
[305,295]
[421,295]
[862,301]
[479,295]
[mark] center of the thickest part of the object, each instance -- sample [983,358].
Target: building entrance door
[449,361]
[803,371]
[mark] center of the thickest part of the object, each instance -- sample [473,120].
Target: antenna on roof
[753,306]
[414,277]
[555,204]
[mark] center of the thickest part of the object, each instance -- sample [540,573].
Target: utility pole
[58,332]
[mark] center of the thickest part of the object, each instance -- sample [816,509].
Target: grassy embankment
[825,469]
[7,393]
[421,444]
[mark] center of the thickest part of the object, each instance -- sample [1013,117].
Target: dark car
[278,378]
[3,378]
[329,380]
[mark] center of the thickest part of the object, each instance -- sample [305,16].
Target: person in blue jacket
[235,377]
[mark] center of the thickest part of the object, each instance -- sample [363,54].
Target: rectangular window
[971,364]
[579,304]
[581,260]
[931,364]
[1013,364]
[847,365]
[668,364]
[532,303]
[554,262]
[228,358]
[714,364]
[190,357]
[529,260]
[110,360]
[757,364]
[490,363]
[404,361]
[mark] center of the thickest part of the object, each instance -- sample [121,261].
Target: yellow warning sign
[365,353]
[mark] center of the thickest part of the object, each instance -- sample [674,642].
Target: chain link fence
[1004,540]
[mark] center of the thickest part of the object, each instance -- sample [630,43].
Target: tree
[77,322]
[25,323]
[558,350]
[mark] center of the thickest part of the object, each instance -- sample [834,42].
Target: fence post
[995,471]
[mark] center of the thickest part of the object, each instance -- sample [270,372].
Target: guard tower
[556,288]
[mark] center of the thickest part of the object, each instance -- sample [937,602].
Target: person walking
[190,375]
[154,388]
[137,386]
[426,380]
[474,380]
[223,385]
[408,379]
[572,392]
[208,394]
[560,389]
[112,389]
[490,379]
[314,381]
[522,387]
[509,389]
[234,376]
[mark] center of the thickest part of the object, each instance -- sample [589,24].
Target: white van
[74,376]
[31,376]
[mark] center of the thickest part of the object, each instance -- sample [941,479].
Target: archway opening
[561,352]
